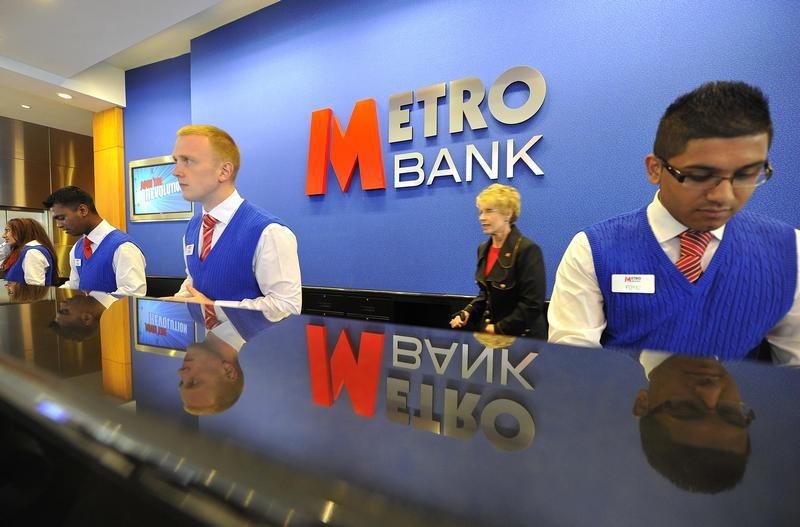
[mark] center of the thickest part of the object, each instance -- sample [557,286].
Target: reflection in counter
[211,377]
[55,329]
[455,408]
[78,314]
[22,293]
[693,425]
[448,420]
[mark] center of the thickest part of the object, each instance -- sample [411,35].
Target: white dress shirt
[128,263]
[226,331]
[576,316]
[35,265]
[275,264]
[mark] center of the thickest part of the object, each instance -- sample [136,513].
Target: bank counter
[334,421]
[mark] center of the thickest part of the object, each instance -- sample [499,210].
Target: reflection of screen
[155,193]
[163,326]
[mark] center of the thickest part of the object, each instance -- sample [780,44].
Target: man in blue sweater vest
[236,254]
[690,273]
[104,258]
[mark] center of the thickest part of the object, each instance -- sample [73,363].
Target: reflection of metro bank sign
[360,143]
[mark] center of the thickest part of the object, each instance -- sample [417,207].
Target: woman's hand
[460,320]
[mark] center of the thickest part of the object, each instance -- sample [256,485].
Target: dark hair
[715,109]
[24,293]
[75,332]
[695,469]
[71,197]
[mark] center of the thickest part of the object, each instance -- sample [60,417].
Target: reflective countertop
[393,424]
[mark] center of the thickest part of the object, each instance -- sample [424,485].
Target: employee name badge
[633,283]
[188,250]
[77,262]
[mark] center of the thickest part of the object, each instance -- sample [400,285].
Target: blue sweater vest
[97,272]
[227,272]
[747,288]
[17,273]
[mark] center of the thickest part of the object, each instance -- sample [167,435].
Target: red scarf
[11,260]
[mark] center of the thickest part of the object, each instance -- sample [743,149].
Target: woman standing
[32,259]
[510,272]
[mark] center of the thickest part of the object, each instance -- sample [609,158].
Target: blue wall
[611,69]
[159,102]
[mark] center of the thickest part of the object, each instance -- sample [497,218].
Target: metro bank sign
[360,144]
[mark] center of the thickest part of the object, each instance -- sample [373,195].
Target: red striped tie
[210,317]
[693,245]
[87,247]
[208,232]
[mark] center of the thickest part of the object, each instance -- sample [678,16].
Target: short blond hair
[222,143]
[502,197]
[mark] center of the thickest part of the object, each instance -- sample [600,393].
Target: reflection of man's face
[201,374]
[72,311]
[696,383]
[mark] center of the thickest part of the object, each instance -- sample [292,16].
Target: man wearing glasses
[690,273]
[693,424]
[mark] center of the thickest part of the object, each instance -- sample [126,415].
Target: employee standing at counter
[690,273]
[236,254]
[32,259]
[104,258]
[510,272]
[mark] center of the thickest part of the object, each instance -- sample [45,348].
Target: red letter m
[361,142]
[330,374]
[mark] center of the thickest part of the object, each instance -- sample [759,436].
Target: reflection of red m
[330,374]
[361,142]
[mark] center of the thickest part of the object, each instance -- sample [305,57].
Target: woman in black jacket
[510,272]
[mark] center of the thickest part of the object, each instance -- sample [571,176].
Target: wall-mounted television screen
[155,194]
[163,327]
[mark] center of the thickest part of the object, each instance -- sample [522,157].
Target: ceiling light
[26,106]
[64,95]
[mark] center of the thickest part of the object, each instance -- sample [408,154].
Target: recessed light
[26,106]
[64,95]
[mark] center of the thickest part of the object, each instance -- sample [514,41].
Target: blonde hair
[502,197]
[222,143]
[493,340]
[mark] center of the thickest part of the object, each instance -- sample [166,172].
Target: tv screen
[163,327]
[155,194]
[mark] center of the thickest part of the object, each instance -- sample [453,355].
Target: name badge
[77,262]
[188,250]
[633,283]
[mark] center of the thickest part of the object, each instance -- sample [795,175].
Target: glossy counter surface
[352,422]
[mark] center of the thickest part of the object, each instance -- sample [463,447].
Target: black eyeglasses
[748,178]
[736,414]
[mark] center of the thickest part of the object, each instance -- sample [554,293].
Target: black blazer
[512,296]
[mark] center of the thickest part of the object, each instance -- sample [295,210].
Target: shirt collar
[100,232]
[225,210]
[650,360]
[665,227]
[103,298]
